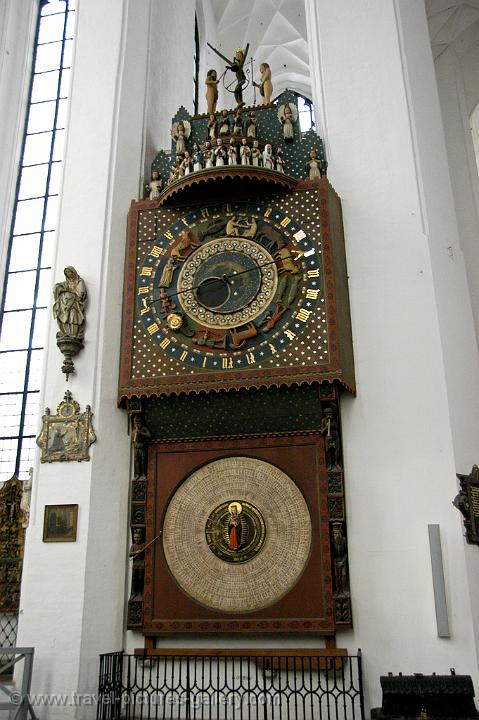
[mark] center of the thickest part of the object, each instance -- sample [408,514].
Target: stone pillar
[17,29]
[72,603]
[414,423]
[457,73]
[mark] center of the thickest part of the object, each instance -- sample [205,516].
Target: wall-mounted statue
[220,153]
[224,124]
[265,85]
[153,188]
[70,297]
[197,158]
[211,83]
[245,152]
[180,132]
[232,153]
[256,154]
[279,160]
[268,159]
[288,115]
[137,554]
[313,165]
[329,429]
[140,435]
[251,125]
[208,155]
[212,127]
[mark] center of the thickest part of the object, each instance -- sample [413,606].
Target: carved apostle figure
[69,307]
[137,553]
[329,429]
[340,556]
[140,435]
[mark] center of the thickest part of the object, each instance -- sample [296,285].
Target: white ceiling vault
[451,25]
[454,28]
[276,31]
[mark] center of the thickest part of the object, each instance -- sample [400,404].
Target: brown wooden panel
[307,607]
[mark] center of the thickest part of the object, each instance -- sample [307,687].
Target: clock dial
[227,282]
[227,287]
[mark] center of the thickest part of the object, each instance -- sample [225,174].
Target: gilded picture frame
[60,523]
[68,434]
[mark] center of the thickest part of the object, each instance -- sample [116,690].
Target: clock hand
[225,278]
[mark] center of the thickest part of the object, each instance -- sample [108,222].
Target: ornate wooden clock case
[236,342]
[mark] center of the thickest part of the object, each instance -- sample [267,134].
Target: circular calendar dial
[226,287]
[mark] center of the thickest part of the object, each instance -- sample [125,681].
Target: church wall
[410,315]
[170,71]
[82,585]
[459,92]
[457,80]
[17,27]
[409,311]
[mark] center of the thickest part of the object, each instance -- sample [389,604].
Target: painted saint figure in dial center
[234,525]
[235,531]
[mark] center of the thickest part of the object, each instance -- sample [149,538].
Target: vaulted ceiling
[276,31]
[453,23]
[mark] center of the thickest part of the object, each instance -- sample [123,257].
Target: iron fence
[176,685]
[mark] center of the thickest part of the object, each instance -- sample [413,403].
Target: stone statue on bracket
[70,298]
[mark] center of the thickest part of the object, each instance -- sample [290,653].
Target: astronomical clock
[236,345]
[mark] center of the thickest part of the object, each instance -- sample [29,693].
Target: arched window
[306,113]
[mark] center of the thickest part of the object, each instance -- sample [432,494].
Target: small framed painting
[60,523]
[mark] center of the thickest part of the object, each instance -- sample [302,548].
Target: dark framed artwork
[60,523]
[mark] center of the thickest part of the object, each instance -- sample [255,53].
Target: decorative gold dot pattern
[311,346]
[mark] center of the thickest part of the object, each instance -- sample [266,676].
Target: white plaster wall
[170,76]
[72,604]
[458,85]
[413,424]
[404,435]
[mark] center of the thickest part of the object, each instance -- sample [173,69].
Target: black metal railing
[180,685]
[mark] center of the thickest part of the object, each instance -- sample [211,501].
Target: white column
[72,603]
[170,77]
[462,162]
[17,28]
[415,420]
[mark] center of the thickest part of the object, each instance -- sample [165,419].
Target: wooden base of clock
[244,542]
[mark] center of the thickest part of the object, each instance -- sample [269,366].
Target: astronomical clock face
[226,288]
